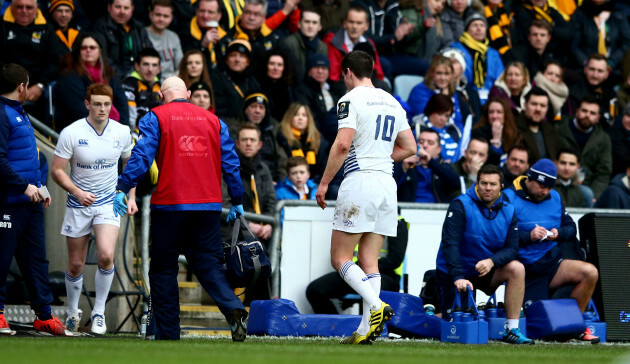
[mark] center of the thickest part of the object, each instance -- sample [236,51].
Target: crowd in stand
[505,82]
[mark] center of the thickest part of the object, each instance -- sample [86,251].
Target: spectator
[437,116]
[567,186]
[333,12]
[472,159]
[343,41]
[453,17]
[22,202]
[619,135]
[427,36]
[467,90]
[85,65]
[483,64]
[201,95]
[275,74]
[617,194]
[538,49]
[251,28]
[535,133]
[165,41]
[285,18]
[550,80]
[623,91]
[499,23]
[298,184]
[62,14]
[497,126]
[516,164]
[596,73]
[142,87]
[298,136]
[513,85]
[598,28]
[305,43]
[193,68]
[584,134]
[423,177]
[232,82]
[529,10]
[439,79]
[124,36]
[204,32]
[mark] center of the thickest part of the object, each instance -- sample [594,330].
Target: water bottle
[143,326]
[429,309]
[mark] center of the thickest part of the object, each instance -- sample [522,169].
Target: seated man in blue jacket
[543,225]
[479,249]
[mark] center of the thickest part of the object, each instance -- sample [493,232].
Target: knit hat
[56,3]
[317,60]
[241,46]
[257,97]
[200,85]
[451,52]
[472,17]
[544,172]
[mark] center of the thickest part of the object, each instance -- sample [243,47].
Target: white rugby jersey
[94,158]
[377,118]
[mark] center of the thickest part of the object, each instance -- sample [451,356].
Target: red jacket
[337,50]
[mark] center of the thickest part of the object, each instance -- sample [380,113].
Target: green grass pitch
[114,350]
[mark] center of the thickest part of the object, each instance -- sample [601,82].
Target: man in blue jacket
[22,203]
[543,224]
[479,249]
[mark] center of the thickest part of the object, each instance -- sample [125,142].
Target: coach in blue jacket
[479,249]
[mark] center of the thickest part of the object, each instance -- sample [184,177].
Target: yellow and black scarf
[300,146]
[479,50]
[540,13]
[499,22]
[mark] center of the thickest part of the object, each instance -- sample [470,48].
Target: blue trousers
[22,235]
[197,235]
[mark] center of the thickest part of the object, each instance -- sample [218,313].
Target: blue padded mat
[549,318]
[409,318]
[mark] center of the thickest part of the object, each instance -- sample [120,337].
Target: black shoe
[238,325]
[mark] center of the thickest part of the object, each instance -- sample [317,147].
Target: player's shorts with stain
[367,203]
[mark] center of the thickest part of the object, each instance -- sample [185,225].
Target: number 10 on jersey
[388,128]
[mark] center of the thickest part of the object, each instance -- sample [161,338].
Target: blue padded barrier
[409,319]
[550,318]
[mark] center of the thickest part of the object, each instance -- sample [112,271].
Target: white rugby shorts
[79,221]
[367,203]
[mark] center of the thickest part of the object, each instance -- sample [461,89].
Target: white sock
[102,283]
[511,324]
[357,280]
[73,293]
[375,282]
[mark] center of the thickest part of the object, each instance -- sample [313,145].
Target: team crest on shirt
[37,37]
[117,143]
[68,228]
[342,109]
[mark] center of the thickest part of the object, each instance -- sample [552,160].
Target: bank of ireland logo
[453,329]
[192,143]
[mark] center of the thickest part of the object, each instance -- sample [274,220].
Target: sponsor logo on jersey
[5,225]
[83,142]
[19,119]
[11,35]
[68,228]
[192,143]
[6,217]
[342,109]
[100,161]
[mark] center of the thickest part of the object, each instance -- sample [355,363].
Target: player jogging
[92,147]
[373,133]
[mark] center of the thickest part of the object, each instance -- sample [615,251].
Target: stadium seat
[403,85]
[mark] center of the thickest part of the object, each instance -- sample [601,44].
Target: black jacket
[310,93]
[445,182]
[620,140]
[229,103]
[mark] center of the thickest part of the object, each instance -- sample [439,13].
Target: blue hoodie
[286,191]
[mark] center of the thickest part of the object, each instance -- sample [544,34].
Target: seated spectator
[538,49]
[617,194]
[584,134]
[439,80]
[423,177]
[567,185]
[516,164]
[201,95]
[497,126]
[232,82]
[204,32]
[250,26]
[142,87]
[619,135]
[483,64]
[342,42]
[598,28]
[550,80]
[333,12]
[623,91]
[472,159]
[427,36]
[85,65]
[535,133]
[165,41]
[453,16]
[62,14]
[320,94]
[513,85]
[298,136]
[467,90]
[305,43]
[529,10]
[437,116]
[298,184]
[275,74]
[124,36]
[593,83]
[193,68]
[499,23]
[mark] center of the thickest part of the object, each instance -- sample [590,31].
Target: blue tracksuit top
[474,232]
[285,190]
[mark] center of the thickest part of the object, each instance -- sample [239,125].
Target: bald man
[191,147]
